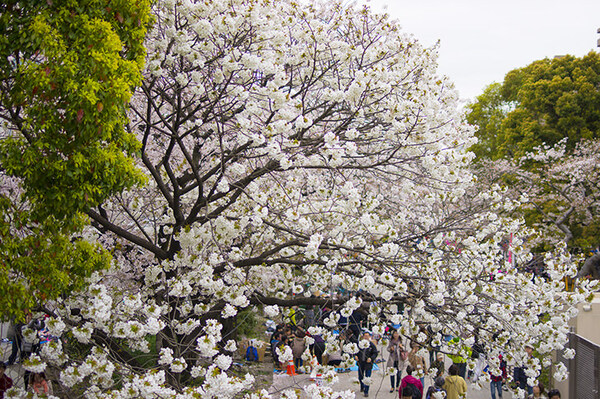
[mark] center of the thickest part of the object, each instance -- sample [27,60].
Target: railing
[584,368]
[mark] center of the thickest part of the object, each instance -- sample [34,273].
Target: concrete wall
[587,322]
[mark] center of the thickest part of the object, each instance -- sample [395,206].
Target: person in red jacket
[5,381]
[496,380]
[409,379]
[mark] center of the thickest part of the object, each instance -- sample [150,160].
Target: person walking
[455,385]
[397,360]
[520,373]
[439,365]
[457,359]
[438,386]
[365,358]
[30,348]
[497,380]
[477,354]
[417,362]
[412,382]
[15,336]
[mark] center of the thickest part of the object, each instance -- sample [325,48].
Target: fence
[584,368]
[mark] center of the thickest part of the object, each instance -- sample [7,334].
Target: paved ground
[347,381]
[379,389]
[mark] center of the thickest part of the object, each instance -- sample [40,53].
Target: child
[39,385]
[438,387]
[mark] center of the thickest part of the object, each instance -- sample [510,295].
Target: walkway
[379,389]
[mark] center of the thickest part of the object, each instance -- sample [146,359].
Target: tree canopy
[540,128]
[293,154]
[542,103]
[67,71]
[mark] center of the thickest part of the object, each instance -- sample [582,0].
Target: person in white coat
[397,360]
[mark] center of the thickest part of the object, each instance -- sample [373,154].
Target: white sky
[482,40]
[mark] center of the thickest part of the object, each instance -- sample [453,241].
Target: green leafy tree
[488,113]
[542,103]
[67,71]
[537,133]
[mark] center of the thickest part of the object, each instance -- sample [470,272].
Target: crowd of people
[403,359]
[404,363]
[22,349]
[454,383]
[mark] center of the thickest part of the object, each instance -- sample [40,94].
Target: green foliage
[488,112]
[68,69]
[586,236]
[543,102]
[39,262]
[539,106]
[248,324]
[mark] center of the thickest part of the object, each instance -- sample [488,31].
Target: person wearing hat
[437,387]
[5,381]
[438,364]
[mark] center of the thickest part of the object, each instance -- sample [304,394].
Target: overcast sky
[482,40]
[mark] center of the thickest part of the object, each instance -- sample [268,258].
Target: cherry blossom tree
[559,190]
[290,150]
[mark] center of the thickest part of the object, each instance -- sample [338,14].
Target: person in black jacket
[365,359]
[520,375]
[16,337]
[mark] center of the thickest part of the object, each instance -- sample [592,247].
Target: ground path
[380,388]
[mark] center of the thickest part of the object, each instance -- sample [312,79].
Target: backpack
[251,354]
